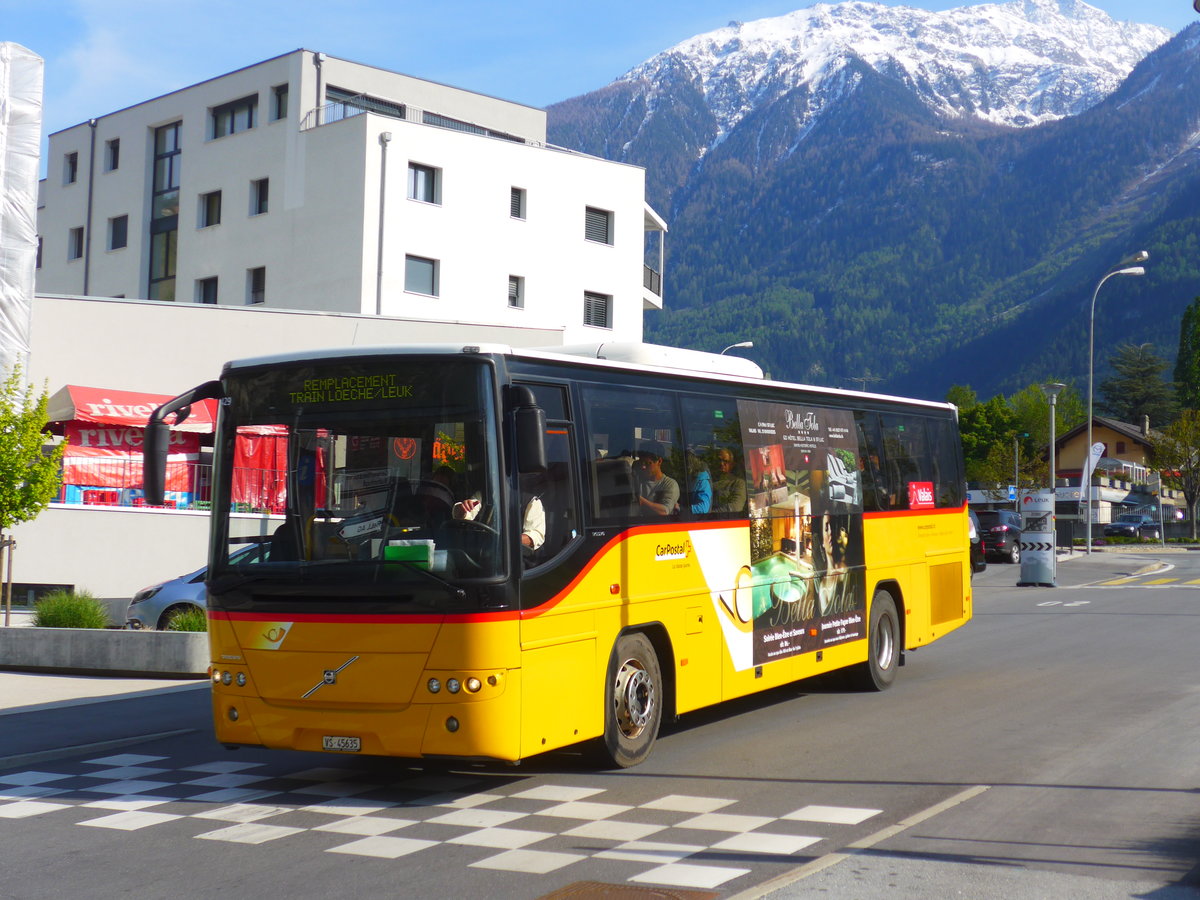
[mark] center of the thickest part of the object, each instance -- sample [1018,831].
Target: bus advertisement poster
[806,543]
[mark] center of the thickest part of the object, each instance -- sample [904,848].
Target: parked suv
[1133,525]
[1000,530]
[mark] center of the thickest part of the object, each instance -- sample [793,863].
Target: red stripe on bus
[902,513]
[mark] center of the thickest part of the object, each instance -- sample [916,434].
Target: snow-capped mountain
[1018,63]
[850,186]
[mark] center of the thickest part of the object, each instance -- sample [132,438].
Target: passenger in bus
[729,489]
[658,494]
[700,486]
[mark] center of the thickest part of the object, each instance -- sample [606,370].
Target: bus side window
[716,484]
[555,489]
[621,422]
[875,493]
[949,478]
[906,447]
[558,492]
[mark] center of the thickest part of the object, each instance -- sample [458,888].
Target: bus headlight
[452,685]
[434,685]
[474,684]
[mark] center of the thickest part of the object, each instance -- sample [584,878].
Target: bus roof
[626,356]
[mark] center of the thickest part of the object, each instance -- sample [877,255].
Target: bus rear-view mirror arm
[158,437]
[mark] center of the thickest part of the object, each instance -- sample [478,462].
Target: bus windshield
[379,474]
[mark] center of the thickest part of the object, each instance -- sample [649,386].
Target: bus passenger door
[558,635]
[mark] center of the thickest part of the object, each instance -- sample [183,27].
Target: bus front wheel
[883,646]
[633,701]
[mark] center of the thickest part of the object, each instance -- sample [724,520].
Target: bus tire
[633,699]
[883,646]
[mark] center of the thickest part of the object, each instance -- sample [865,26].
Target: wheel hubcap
[633,697]
[884,648]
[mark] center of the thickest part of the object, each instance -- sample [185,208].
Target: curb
[103,651]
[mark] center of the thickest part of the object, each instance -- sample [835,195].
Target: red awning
[130,408]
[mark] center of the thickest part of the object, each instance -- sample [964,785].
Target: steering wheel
[471,525]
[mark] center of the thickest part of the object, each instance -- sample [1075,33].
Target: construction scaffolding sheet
[20,142]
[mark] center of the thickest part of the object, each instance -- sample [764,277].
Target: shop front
[104,429]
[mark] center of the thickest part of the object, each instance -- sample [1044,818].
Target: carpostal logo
[682,550]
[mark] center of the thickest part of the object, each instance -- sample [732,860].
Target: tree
[1014,432]
[1187,363]
[1176,454]
[982,427]
[29,475]
[1031,408]
[1137,387]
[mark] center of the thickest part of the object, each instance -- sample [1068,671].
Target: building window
[424,183]
[118,232]
[421,275]
[516,291]
[230,118]
[206,290]
[256,285]
[164,212]
[279,102]
[38,262]
[70,168]
[75,243]
[597,309]
[112,155]
[210,209]
[163,249]
[260,190]
[167,161]
[516,203]
[597,225]
[1120,446]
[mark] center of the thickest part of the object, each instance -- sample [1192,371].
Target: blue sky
[103,55]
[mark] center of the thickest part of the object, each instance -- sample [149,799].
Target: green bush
[190,619]
[63,609]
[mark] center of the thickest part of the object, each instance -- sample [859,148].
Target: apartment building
[307,182]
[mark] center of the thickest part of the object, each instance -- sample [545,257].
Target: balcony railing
[652,280]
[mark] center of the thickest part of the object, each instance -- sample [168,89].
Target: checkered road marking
[673,840]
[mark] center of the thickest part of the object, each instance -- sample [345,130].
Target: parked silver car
[153,606]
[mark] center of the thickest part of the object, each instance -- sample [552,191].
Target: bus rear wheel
[883,646]
[633,701]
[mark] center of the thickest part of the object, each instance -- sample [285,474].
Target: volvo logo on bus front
[328,677]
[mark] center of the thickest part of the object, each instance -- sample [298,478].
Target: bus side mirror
[154,461]
[530,422]
[157,438]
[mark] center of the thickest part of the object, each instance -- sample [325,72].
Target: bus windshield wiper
[452,589]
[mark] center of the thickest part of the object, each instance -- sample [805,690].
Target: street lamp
[741,344]
[1125,269]
[1052,390]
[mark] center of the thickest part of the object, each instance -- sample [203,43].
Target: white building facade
[312,183]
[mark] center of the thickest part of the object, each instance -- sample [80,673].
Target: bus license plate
[341,742]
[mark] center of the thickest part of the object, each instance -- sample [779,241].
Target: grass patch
[63,609]
[190,619]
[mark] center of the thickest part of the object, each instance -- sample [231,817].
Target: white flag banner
[1093,458]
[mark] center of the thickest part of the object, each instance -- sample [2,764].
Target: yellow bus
[488,552]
